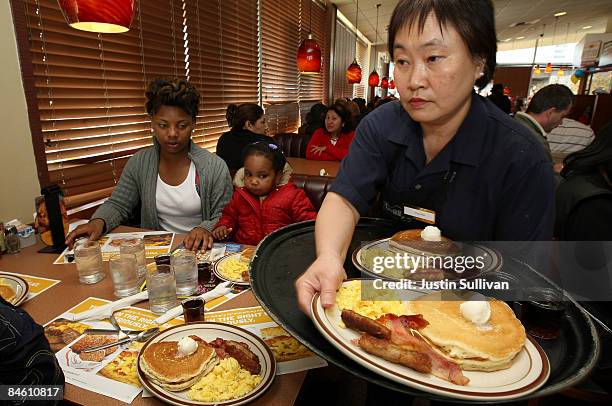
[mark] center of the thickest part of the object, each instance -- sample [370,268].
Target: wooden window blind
[222,45]
[344,53]
[90,91]
[362,55]
[280,37]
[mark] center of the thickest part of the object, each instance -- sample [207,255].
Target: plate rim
[356,263]
[225,278]
[18,299]
[534,385]
[264,386]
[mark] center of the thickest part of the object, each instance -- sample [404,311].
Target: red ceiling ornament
[353,73]
[309,56]
[392,84]
[384,83]
[309,52]
[109,16]
[373,79]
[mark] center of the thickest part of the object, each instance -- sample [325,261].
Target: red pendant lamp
[374,79]
[548,68]
[384,83]
[309,52]
[109,16]
[392,84]
[353,72]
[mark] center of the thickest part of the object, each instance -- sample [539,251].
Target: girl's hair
[237,116]
[346,117]
[598,152]
[178,93]
[267,150]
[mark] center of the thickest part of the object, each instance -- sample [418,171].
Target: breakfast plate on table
[527,371]
[204,377]
[233,268]
[363,258]
[13,288]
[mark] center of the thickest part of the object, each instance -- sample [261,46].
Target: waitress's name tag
[424,215]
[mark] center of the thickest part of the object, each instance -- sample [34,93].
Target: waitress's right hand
[93,230]
[324,276]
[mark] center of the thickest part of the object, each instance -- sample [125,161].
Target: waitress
[442,154]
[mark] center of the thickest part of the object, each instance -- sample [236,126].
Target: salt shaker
[13,245]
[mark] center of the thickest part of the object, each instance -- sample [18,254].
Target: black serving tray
[284,255]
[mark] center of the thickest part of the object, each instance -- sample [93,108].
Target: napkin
[103,312]
[220,290]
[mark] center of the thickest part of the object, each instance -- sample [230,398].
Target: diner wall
[515,77]
[18,179]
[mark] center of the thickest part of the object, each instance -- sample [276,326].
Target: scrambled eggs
[349,297]
[232,268]
[226,381]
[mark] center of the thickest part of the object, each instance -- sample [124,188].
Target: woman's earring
[481,73]
[151,131]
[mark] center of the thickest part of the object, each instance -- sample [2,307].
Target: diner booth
[137,314]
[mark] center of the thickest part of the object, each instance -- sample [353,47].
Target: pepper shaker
[13,244]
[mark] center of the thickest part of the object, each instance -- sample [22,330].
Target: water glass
[88,259]
[135,246]
[162,288]
[124,273]
[185,267]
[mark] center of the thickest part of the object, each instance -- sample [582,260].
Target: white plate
[529,371]
[19,286]
[492,261]
[220,262]
[209,332]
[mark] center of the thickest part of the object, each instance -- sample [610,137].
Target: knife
[108,345]
[109,331]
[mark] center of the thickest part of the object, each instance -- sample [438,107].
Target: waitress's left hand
[196,237]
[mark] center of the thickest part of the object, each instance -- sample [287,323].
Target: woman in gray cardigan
[181,187]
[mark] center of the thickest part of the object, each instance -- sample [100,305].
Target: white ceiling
[536,16]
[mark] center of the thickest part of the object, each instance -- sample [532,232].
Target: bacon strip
[414,321]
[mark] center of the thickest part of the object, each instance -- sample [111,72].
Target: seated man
[545,111]
[25,356]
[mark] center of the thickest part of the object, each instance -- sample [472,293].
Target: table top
[56,300]
[303,166]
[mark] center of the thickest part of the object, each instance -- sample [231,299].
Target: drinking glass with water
[185,268]
[88,259]
[124,273]
[135,246]
[162,288]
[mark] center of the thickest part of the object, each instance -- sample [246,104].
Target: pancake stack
[164,366]
[410,242]
[475,348]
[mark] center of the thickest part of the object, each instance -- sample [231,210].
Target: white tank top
[179,208]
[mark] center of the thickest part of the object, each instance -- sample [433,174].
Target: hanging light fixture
[384,83]
[392,84]
[110,16]
[353,72]
[548,68]
[373,79]
[309,52]
[537,70]
[560,72]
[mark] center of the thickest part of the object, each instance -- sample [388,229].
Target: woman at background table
[332,142]
[182,188]
[248,125]
[479,174]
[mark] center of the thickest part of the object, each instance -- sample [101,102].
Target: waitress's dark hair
[268,150]
[473,19]
[345,116]
[237,116]
[178,93]
[598,152]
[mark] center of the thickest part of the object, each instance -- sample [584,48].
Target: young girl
[265,200]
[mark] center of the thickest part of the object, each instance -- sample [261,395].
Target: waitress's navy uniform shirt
[492,181]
